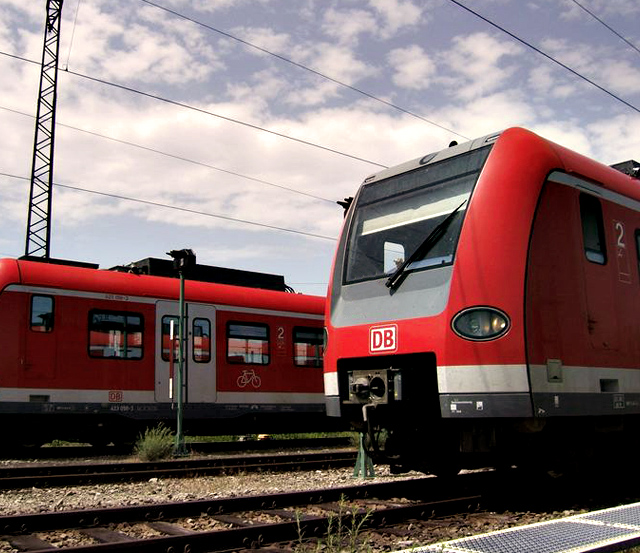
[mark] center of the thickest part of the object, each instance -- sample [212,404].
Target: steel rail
[447,497]
[64,475]
[87,451]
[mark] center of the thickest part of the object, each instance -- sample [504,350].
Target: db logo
[115,396]
[383,338]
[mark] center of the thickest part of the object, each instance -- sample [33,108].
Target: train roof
[206,273]
[453,150]
[163,267]
[622,177]
[127,286]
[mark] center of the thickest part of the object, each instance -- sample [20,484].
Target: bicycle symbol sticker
[247,377]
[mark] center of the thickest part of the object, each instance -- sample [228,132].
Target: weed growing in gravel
[156,443]
[343,531]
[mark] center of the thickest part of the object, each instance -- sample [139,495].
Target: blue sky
[457,75]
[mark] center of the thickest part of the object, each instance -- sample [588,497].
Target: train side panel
[582,304]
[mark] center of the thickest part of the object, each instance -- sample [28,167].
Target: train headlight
[480,323]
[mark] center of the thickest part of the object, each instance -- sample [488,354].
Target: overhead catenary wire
[204,112]
[177,157]
[544,54]
[73,33]
[178,208]
[304,67]
[628,42]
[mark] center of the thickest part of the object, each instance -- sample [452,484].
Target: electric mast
[40,196]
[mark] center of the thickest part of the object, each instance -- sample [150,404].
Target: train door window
[201,340]
[41,313]
[307,347]
[593,229]
[166,337]
[248,343]
[115,335]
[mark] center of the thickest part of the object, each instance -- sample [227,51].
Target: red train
[87,353]
[485,307]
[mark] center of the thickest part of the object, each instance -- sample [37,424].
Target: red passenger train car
[87,354]
[485,304]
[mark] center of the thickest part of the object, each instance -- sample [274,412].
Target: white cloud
[615,139]
[477,62]
[156,48]
[337,61]
[313,95]
[602,65]
[264,37]
[549,82]
[413,67]
[396,14]
[347,25]
[492,113]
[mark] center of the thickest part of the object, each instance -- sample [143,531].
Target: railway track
[238,523]
[87,451]
[49,475]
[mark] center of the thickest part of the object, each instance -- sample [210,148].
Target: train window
[307,347]
[248,343]
[41,313]
[166,337]
[393,217]
[593,229]
[115,335]
[201,340]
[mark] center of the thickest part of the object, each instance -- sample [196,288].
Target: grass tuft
[156,443]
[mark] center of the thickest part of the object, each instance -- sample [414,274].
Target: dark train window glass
[593,229]
[115,335]
[201,340]
[248,343]
[41,313]
[307,347]
[393,217]
[166,337]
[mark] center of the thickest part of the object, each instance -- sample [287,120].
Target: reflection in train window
[41,313]
[307,347]
[201,340]
[115,335]
[248,343]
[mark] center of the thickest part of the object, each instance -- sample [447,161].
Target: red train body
[514,329]
[86,355]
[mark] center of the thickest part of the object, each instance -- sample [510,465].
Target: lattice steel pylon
[40,196]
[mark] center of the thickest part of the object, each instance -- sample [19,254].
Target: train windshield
[394,216]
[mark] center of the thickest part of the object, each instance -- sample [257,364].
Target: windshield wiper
[396,279]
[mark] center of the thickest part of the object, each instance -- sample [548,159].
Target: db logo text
[383,338]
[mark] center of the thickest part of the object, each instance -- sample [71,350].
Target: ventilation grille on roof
[631,167]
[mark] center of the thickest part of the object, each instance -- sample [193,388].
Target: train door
[598,274]
[41,340]
[199,364]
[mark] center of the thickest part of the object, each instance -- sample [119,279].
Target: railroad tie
[169,529]
[29,543]
[104,535]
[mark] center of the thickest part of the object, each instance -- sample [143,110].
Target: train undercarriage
[444,447]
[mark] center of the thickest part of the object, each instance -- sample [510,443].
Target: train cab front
[387,319]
